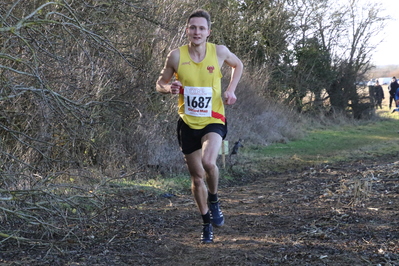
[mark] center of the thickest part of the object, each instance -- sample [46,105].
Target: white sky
[387,53]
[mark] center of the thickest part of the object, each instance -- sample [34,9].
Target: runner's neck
[197,52]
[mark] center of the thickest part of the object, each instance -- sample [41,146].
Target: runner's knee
[209,165]
[197,180]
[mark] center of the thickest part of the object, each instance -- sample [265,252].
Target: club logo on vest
[210,69]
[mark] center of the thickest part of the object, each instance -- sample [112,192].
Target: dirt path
[334,215]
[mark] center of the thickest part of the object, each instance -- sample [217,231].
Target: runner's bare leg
[202,165]
[211,143]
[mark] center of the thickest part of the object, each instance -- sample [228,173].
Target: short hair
[200,13]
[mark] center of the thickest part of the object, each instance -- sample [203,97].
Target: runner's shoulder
[222,49]
[173,58]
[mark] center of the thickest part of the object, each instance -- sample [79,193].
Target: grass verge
[330,145]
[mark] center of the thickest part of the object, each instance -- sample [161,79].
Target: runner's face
[197,30]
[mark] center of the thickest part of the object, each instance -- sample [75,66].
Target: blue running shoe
[216,214]
[207,234]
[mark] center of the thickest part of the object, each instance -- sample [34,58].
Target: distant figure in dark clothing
[392,90]
[378,95]
[236,146]
[396,96]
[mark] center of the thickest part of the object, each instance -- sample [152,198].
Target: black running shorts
[190,139]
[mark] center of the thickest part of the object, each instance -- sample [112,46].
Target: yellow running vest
[200,99]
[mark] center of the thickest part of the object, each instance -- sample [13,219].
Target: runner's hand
[175,87]
[229,97]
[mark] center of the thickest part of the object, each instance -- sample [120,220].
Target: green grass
[330,141]
[333,144]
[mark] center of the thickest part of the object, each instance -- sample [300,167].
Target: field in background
[383,71]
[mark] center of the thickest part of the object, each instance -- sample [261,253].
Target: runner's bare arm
[237,67]
[171,64]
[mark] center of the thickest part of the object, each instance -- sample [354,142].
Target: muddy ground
[344,214]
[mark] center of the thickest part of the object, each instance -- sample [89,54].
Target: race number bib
[198,101]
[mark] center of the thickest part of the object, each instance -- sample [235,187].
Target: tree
[258,32]
[311,74]
[345,33]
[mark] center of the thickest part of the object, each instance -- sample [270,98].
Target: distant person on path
[202,125]
[396,97]
[378,95]
[392,90]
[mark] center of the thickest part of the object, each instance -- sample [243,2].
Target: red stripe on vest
[219,116]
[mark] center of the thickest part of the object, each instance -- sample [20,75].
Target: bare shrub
[259,120]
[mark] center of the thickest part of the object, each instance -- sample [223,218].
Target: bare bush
[72,103]
[261,121]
